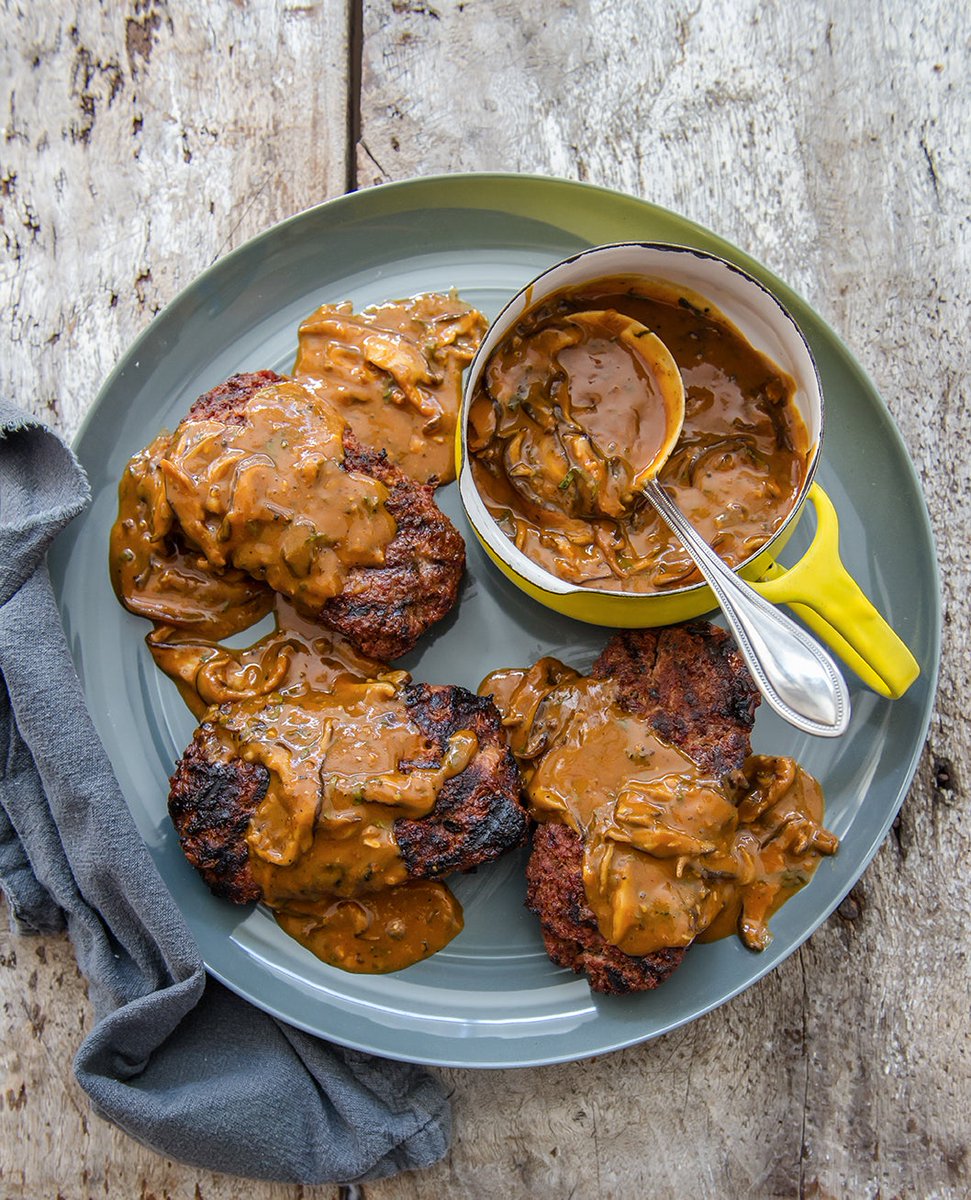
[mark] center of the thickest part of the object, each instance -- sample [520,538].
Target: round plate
[490,998]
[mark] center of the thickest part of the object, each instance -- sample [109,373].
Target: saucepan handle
[824,595]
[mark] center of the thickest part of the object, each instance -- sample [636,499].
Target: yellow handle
[825,596]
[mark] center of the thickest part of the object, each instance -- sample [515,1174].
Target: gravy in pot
[735,472]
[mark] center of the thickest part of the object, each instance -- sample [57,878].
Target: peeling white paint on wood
[140,142]
[135,150]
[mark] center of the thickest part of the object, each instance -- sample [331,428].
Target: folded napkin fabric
[176,1060]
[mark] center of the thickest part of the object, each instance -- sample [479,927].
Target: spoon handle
[792,671]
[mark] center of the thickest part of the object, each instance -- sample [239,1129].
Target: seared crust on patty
[478,814]
[383,610]
[225,401]
[210,804]
[554,890]
[692,686]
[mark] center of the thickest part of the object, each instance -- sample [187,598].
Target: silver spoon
[797,677]
[792,671]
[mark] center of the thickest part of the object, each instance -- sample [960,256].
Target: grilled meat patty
[210,804]
[478,814]
[554,891]
[691,685]
[384,609]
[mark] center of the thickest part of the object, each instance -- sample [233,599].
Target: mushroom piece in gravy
[394,370]
[157,574]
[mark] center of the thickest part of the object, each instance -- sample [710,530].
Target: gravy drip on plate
[394,371]
[735,472]
[296,657]
[158,575]
[671,853]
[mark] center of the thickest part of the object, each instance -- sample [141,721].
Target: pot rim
[482,520]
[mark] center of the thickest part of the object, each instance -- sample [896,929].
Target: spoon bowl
[798,679]
[605,405]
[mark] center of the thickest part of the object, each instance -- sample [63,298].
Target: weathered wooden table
[143,140]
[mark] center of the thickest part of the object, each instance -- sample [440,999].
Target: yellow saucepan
[818,587]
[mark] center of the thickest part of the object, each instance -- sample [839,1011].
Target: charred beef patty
[210,804]
[478,814]
[555,892]
[383,610]
[691,685]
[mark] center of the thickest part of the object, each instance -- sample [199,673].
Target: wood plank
[141,142]
[829,146]
[137,150]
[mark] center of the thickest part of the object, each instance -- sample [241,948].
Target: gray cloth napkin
[176,1060]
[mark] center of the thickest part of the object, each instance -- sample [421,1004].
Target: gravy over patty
[673,851]
[312,756]
[394,370]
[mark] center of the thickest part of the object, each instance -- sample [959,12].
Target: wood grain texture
[831,142]
[828,145]
[140,142]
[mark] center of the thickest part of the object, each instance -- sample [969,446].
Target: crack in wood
[355,70]
[931,170]
[367,150]
[227,241]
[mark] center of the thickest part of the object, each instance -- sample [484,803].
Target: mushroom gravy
[224,521]
[328,726]
[736,470]
[671,853]
[156,574]
[394,371]
[342,766]
[210,514]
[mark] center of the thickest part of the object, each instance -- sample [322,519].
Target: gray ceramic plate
[491,998]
